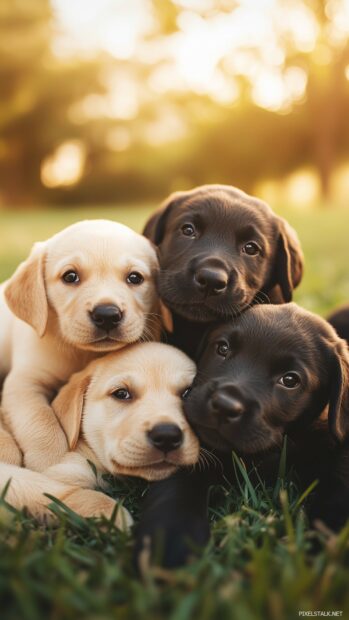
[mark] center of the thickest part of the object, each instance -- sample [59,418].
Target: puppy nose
[106,316]
[165,437]
[227,406]
[212,281]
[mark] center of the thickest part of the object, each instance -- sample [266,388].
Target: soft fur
[111,434]
[339,318]
[208,276]
[239,402]
[46,327]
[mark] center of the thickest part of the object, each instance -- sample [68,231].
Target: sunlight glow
[119,139]
[215,43]
[166,127]
[114,26]
[65,166]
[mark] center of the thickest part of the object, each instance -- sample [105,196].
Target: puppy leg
[33,422]
[27,489]
[9,451]
[75,470]
[89,503]
[174,521]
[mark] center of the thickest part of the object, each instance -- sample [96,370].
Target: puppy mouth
[218,438]
[150,471]
[160,464]
[202,312]
[212,437]
[102,344]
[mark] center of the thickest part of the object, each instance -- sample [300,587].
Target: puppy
[220,250]
[86,291]
[340,321]
[122,414]
[273,371]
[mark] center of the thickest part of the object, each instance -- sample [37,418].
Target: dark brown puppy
[273,371]
[340,321]
[220,250]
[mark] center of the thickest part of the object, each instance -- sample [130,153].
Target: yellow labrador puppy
[123,413]
[86,291]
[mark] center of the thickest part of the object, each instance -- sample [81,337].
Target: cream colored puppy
[86,291]
[123,413]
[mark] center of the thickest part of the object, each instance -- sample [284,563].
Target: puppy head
[219,249]
[128,408]
[93,281]
[275,368]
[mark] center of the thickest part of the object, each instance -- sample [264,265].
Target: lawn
[261,562]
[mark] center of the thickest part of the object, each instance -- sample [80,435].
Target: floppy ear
[156,225]
[69,405]
[25,292]
[338,411]
[288,260]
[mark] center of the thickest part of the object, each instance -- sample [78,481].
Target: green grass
[261,562]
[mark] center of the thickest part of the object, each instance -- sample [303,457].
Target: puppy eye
[71,277]
[222,349]
[188,230]
[186,392]
[251,248]
[135,278]
[122,394]
[290,380]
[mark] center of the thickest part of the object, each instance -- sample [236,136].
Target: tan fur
[9,450]
[110,433]
[47,335]
[28,489]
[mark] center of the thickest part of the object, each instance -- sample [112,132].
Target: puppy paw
[89,503]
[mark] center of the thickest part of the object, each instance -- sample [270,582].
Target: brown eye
[188,230]
[251,248]
[222,349]
[290,380]
[71,277]
[122,394]
[135,278]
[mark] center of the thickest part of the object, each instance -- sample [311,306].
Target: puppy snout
[210,280]
[106,316]
[165,437]
[228,406]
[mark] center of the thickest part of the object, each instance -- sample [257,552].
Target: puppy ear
[288,260]
[25,292]
[156,225]
[69,405]
[338,411]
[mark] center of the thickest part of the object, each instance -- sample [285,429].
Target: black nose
[165,437]
[226,405]
[210,280]
[106,316]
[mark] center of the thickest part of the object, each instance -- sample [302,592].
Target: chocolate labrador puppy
[340,321]
[220,250]
[275,370]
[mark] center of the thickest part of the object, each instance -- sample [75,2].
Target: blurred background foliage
[121,101]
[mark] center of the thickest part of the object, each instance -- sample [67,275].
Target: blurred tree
[36,91]
[176,136]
